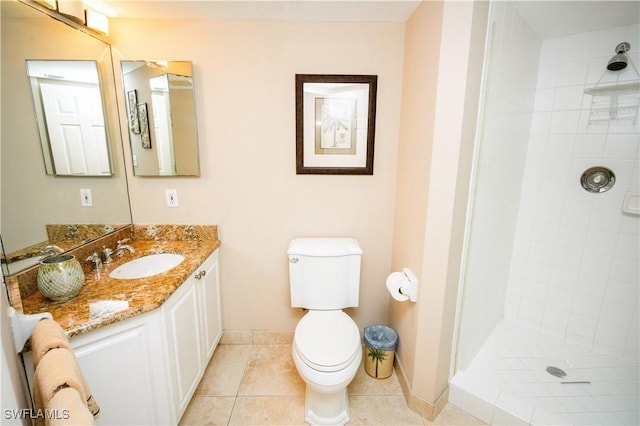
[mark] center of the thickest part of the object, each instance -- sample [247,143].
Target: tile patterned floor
[508,382]
[257,384]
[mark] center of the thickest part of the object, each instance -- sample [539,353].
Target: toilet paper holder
[411,289]
[405,288]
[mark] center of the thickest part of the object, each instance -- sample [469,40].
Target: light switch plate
[172,197]
[86,199]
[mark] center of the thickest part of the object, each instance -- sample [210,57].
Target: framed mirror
[37,208]
[69,111]
[161,117]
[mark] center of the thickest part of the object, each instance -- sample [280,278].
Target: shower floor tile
[597,388]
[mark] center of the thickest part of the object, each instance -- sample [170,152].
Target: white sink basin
[147,266]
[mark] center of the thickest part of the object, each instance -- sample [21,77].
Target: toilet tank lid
[324,247]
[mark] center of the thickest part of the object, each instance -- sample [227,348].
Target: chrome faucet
[51,250]
[119,250]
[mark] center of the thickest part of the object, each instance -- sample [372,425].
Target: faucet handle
[95,259]
[120,242]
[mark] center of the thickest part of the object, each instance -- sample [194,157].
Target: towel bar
[23,325]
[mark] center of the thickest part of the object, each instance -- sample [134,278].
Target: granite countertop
[143,294]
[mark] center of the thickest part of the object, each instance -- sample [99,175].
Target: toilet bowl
[327,353]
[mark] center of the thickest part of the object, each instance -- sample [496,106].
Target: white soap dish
[631,203]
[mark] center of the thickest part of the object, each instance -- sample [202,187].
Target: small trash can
[380,345]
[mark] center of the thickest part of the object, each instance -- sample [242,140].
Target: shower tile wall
[574,271]
[508,98]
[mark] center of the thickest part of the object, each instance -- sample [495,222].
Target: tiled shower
[552,271]
[574,271]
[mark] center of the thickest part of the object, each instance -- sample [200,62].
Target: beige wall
[422,48]
[13,393]
[444,45]
[410,213]
[244,86]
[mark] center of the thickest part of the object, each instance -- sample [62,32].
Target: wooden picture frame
[143,118]
[132,103]
[335,123]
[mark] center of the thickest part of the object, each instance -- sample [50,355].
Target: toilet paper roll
[395,281]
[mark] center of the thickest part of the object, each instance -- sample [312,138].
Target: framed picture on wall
[132,103]
[335,123]
[143,118]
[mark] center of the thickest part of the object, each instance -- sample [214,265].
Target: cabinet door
[120,371]
[125,373]
[182,321]
[208,284]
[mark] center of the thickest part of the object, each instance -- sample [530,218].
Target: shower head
[619,61]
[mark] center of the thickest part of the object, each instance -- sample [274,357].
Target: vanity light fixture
[94,14]
[49,4]
[98,14]
[100,7]
[97,22]
[72,9]
[158,64]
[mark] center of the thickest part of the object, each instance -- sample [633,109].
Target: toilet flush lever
[293,259]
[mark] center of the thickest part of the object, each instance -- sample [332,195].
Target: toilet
[324,275]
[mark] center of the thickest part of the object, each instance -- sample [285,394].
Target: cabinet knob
[200,274]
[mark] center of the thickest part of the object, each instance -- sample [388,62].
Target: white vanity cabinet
[145,369]
[125,372]
[184,344]
[194,327]
[124,367]
[208,286]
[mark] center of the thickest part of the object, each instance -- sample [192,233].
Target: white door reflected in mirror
[70,115]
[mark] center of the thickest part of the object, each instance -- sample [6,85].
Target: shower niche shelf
[618,88]
[614,103]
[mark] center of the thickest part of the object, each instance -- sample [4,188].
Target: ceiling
[287,10]
[549,19]
[552,19]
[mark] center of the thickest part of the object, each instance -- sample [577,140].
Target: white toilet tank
[324,273]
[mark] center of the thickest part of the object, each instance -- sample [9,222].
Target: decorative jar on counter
[60,277]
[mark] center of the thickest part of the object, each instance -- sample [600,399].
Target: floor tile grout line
[244,372]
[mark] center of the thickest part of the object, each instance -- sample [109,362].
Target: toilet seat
[327,340]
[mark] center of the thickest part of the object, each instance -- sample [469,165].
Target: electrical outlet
[172,197]
[86,199]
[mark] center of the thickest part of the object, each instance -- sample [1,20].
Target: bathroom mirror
[69,111]
[38,208]
[161,117]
